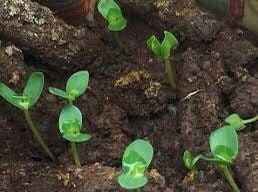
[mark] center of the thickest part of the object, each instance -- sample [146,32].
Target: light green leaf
[81,137]
[116,20]
[169,43]
[129,181]
[8,94]
[236,121]
[105,5]
[34,87]
[154,45]
[77,83]
[59,92]
[224,144]
[187,159]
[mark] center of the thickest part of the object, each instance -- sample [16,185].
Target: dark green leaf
[34,87]
[129,181]
[169,43]
[116,20]
[224,144]
[77,83]
[154,45]
[8,94]
[105,5]
[236,121]
[81,137]
[59,92]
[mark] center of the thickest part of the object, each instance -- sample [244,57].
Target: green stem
[170,73]
[37,135]
[70,101]
[212,160]
[75,154]
[118,40]
[251,120]
[230,179]
[137,190]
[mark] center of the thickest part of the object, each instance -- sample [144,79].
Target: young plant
[136,159]
[224,149]
[25,101]
[236,121]
[111,11]
[70,124]
[75,86]
[162,50]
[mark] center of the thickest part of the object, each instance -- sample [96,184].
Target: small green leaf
[236,121]
[129,181]
[187,159]
[154,45]
[116,20]
[59,92]
[169,43]
[77,83]
[34,87]
[8,94]
[81,137]
[224,144]
[105,5]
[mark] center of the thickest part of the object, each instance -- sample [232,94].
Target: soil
[128,98]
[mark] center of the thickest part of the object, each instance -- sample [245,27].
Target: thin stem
[118,40]
[37,135]
[209,159]
[170,73]
[70,101]
[137,190]
[75,154]
[230,179]
[251,120]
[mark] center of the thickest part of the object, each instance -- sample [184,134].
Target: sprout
[25,101]
[163,50]
[70,124]
[75,86]
[236,121]
[224,149]
[136,159]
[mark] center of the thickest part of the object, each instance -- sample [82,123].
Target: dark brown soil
[128,99]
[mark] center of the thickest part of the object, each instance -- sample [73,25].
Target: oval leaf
[169,43]
[187,159]
[34,87]
[77,83]
[154,45]
[105,5]
[59,92]
[128,181]
[236,121]
[116,20]
[224,144]
[9,95]
[77,138]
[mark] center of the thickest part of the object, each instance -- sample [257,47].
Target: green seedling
[75,86]
[136,159]
[162,50]
[236,121]
[111,11]
[25,101]
[70,124]
[224,149]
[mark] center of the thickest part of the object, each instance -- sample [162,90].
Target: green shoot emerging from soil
[224,149]
[163,50]
[136,159]
[236,121]
[70,124]
[75,86]
[111,11]
[25,101]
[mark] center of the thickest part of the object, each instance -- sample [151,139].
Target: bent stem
[230,179]
[75,154]
[169,72]
[37,135]
[251,120]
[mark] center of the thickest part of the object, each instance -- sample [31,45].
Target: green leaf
[236,121]
[34,87]
[81,137]
[77,83]
[116,20]
[187,159]
[169,43]
[224,144]
[154,45]
[105,5]
[59,92]
[8,94]
[129,181]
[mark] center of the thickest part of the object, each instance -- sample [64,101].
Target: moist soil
[128,98]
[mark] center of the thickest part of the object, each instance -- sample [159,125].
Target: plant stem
[75,154]
[70,101]
[251,120]
[170,73]
[230,179]
[37,135]
[118,40]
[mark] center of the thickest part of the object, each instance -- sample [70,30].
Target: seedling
[75,86]
[236,121]
[111,11]
[136,159]
[25,101]
[70,124]
[224,149]
[163,50]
